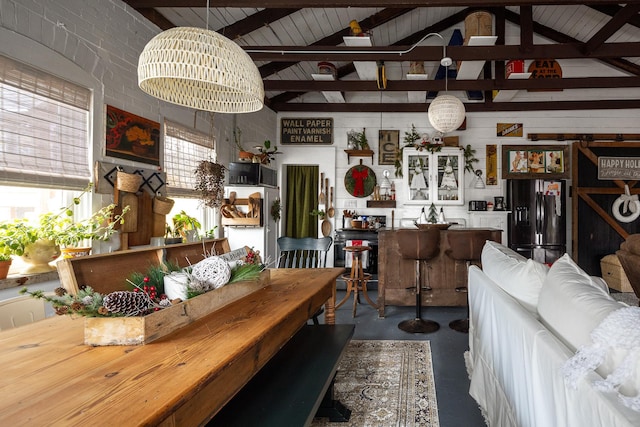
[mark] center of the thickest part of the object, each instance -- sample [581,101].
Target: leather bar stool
[465,246]
[421,246]
[357,279]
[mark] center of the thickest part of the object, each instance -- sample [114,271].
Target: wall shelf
[367,70]
[417,96]
[507,95]
[470,70]
[251,219]
[358,153]
[381,203]
[333,96]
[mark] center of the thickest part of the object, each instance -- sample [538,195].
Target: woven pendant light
[446,113]
[201,69]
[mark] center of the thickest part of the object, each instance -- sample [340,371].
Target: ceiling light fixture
[201,69]
[446,112]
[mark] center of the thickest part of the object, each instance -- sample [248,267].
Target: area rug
[386,383]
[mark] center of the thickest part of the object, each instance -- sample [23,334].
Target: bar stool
[465,245]
[421,246]
[357,279]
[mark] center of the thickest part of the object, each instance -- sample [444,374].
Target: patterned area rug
[386,383]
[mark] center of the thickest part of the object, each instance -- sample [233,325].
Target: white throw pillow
[571,304]
[518,276]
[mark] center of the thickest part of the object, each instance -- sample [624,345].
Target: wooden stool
[357,280]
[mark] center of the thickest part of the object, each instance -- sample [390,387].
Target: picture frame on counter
[535,161]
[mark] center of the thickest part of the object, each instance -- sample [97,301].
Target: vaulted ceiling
[597,44]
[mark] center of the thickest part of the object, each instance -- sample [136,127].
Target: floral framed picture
[132,137]
[531,162]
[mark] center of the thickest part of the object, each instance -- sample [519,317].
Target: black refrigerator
[537,222]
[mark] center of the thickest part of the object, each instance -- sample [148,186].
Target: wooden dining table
[49,377]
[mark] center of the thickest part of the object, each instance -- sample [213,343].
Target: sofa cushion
[572,304]
[518,276]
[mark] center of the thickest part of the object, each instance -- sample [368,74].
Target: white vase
[175,285]
[38,255]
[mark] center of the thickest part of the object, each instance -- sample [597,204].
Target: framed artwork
[132,137]
[531,162]
[388,145]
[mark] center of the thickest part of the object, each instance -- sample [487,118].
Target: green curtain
[302,198]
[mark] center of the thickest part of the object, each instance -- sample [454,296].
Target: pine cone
[127,303]
[60,291]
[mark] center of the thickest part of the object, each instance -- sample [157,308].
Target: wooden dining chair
[304,252]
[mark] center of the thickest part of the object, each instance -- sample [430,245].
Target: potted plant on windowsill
[39,243]
[186,226]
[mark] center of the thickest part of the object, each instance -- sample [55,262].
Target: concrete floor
[455,407]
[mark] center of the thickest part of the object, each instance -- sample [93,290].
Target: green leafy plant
[275,209]
[60,227]
[319,213]
[358,139]
[182,222]
[469,159]
[267,153]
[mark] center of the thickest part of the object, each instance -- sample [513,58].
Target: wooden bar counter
[396,275]
[51,378]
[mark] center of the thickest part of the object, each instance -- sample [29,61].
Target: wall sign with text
[306,131]
[623,168]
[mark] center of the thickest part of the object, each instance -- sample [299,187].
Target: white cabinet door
[434,177]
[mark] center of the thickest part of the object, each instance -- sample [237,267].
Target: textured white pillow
[571,304]
[518,276]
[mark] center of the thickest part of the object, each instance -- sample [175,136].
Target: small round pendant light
[446,112]
[201,69]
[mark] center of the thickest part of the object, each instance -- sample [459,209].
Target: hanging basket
[128,182]
[162,205]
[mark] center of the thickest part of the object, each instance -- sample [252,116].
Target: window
[184,148]
[44,129]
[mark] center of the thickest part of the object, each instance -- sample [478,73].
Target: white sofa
[526,322]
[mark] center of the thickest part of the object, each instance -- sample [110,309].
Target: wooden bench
[295,385]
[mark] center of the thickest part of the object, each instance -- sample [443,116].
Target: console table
[51,378]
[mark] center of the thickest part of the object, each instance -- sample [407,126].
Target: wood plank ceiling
[597,44]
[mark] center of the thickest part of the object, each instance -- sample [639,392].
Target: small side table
[357,280]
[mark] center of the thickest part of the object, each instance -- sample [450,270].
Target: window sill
[19,280]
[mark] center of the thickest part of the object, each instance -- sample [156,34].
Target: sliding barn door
[595,231]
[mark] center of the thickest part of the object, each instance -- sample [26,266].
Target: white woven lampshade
[446,113]
[200,69]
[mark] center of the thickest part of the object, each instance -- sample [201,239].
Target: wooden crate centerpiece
[107,273]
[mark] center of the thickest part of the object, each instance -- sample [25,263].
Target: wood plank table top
[51,378]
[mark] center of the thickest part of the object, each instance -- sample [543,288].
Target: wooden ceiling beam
[434,53]
[614,24]
[455,85]
[526,29]
[470,107]
[336,38]
[360,3]
[612,10]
